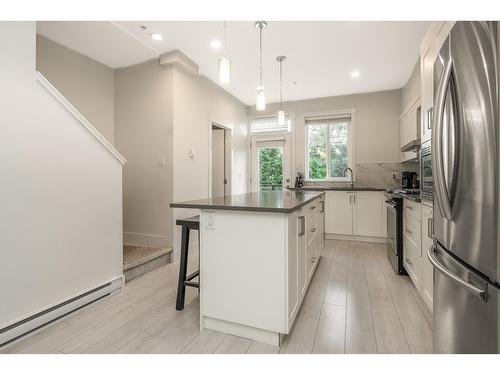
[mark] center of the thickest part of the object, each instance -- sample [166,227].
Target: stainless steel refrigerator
[465,163]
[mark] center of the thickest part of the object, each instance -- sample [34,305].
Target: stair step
[138,260]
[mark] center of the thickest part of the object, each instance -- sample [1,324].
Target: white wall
[86,83]
[60,221]
[377,123]
[197,103]
[166,112]
[144,118]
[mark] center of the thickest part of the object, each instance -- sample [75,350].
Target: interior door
[464,150]
[218,163]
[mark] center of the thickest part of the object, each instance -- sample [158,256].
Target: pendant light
[261,96]
[281,113]
[224,62]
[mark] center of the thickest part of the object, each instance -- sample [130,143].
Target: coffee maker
[409,180]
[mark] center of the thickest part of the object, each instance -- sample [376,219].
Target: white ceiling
[320,54]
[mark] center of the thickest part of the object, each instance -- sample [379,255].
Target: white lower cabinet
[355,213]
[417,239]
[427,269]
[305,230]
[338,212]
[412,250]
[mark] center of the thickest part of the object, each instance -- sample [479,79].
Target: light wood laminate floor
[355,304]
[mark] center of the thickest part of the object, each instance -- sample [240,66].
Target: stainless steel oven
[426,179]
[394,207]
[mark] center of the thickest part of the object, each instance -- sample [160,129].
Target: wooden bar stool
[189,224]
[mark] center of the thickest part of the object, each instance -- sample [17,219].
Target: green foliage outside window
[319,153]
[271,168]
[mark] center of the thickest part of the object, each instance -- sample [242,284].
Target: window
[328,147]
[260,125]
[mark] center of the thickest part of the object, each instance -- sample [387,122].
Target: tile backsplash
[377,175]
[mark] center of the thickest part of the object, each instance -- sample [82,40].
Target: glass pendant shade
[261,100]
[281,117]
[224,70]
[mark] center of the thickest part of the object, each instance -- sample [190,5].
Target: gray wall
[143,131]
[377,123]
[86,83]
[410,92]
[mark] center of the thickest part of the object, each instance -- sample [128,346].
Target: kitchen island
[258,253]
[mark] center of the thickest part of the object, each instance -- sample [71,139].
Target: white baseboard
[131,238]
[28,323]
[329,236]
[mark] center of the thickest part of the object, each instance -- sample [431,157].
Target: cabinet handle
[429,117]
[322,209]
[302,220]
[408,231]
[312,207]
[409,262]
[409,207]
[354,195]
[313,230]
[350,198]
[429,227]
[313,259]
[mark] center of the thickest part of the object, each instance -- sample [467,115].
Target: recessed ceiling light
[156,36]
[215,44]
[355,74]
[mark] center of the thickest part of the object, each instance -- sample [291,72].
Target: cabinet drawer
[312,227]
[412,260]
[412,230]
[412,209]
[312,208]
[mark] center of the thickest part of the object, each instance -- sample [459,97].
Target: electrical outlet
[210,222]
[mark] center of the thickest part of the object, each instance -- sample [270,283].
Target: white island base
[255,268]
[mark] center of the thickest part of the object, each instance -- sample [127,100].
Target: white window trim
[351,134]
[291,117]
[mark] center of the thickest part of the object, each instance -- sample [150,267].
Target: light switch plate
[161,160]
[210,221]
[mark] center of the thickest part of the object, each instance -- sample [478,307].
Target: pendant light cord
[281,84]
[260,53]
[225,39]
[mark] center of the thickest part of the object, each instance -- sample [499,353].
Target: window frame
[350,144]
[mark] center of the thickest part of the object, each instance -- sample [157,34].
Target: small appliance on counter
[299,180]
[409,180]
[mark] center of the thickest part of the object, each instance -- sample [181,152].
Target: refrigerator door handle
[441,193]
[478,292]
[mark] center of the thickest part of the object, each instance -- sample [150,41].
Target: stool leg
[181,287]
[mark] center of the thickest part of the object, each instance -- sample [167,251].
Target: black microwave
[426,171]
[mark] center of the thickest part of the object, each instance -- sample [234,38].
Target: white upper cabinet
[410,129]
[427,86]
[433,40]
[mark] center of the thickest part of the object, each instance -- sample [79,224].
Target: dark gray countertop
[266,201]
[338,188]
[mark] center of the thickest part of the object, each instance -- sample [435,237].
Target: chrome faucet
[352,176]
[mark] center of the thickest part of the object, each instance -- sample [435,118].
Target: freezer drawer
[466,307]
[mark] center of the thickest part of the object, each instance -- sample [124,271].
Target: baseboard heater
[41,318]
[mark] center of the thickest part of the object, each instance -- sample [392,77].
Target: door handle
[478,292]
[302,221]
[437,159]
[429,227]
[429,117]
